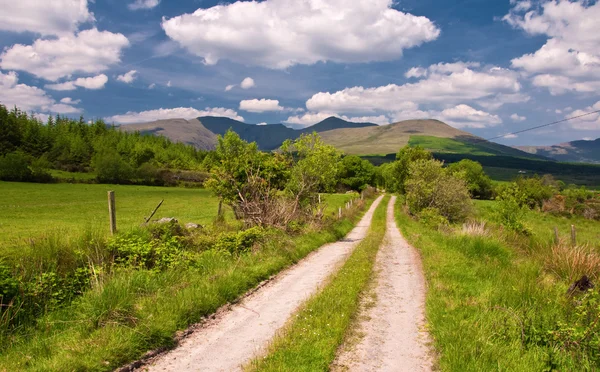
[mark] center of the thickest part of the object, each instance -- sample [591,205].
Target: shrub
[480,185]
[240,242]
[432,218]
[14,167]
[430,185]
[111,168]
[510,210]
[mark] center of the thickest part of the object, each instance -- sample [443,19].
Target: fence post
[112,212]
[220,210]
[319,198]
[340,212]
[556,237]
[573,235]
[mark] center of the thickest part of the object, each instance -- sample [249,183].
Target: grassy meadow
[497,300]
[34,210]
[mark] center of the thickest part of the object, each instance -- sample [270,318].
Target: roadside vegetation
[504,292]
[92,302]
[310,340]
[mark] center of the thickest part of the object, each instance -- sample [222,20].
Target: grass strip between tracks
[310,340]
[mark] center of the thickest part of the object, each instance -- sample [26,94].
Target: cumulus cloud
[260,105]
[282,33]
[465,116]
[174,113]
[55,17]
[29,98]
[444,83]
[93,83]
[152,86]
[589,122]
[70,101]
[570,59]
[143,4]
[311,118]
[517,118]
[128,77]
[510,136]
[230,87]
[90,51]
[247,83]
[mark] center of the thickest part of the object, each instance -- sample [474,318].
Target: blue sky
[488,67]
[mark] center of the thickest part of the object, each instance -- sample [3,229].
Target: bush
[240,242]
[480,185]
[14,167]
[510,210]
[429,185]
[432,218]
[111,168]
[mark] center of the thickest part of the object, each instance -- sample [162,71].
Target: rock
[192,226]
[166,220]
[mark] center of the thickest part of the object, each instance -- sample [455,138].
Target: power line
[544,125]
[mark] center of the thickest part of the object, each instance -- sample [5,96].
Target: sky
[490,67]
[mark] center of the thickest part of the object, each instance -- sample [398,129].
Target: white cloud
[90,51]
[282,33]
[311,118]
[169,83]
[230,87]
[128,77]
[152,86]
[445,83]
[93,83]
[589,122]
[247,83]
[263,123]
[517,118]
[42,117]
[49,17]
[143,4]
[465,116]
[510,136]
[416,72]
[70,101]
[28,98]
[570,59]
[260,105]
[23,96]
[174,113]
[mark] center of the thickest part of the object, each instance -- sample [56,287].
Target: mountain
[582,151]
[352,138]
[191,132]
[271,136]
[430,134]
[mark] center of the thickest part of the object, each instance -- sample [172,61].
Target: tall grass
[133,309]
[493,303]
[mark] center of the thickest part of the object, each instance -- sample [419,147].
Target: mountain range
[350,137]
[583,151]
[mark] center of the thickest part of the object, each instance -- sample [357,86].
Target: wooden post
[362,195]
[340,212]
[556,237]
[153,212]
[220,210]
[573,235]
[319,198]
[112,212]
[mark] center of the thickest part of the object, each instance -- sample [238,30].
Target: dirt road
[391,334]
[236,335]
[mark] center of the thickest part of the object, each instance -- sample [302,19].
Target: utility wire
[544,125]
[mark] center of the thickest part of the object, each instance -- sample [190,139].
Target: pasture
[35,210]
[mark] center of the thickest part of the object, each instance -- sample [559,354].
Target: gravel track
[241,331]
[391,329]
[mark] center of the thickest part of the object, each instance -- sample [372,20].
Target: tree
[111,168]
[480,185]
[14,167]
[356,173]
[398,172]
[429,185]
[315,170]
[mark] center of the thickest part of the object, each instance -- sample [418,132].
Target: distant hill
[352,138]
[431,134]
[271,136]
[577,151]
[191,132]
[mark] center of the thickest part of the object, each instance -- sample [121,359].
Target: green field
[34,210]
